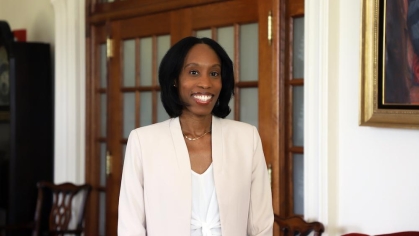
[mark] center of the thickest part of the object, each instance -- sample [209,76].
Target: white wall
[37,17]
[378,167]
[372,174]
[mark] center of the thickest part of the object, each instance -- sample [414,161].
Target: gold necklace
[193,139]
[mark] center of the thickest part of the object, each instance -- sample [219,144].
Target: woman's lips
[202,98]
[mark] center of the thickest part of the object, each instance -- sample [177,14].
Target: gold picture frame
[374,110]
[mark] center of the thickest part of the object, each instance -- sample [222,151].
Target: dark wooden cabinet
[26,128]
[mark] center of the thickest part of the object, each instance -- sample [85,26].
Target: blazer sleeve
[131,210]
[261,219]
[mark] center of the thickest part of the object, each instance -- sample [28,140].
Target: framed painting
[390,63]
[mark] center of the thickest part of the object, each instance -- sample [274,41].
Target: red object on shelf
[20,35]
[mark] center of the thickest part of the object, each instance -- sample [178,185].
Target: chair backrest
[295,224]
[405,233]
[355,234]
[66,199]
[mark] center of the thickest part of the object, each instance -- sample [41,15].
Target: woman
[196,173]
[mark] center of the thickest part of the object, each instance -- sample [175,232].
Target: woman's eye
[215,73]
[193,72]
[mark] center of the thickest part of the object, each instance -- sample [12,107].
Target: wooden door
[288,145]
[123,91]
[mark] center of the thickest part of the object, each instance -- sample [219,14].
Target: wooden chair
[65,198]
[295,225]
[405,233]
[355,234]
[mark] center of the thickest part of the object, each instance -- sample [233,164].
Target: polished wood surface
[296,225]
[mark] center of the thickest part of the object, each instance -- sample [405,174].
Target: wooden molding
[125,9]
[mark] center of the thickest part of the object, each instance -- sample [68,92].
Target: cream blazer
[155,197]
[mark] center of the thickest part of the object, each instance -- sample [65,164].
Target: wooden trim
[214,34]
[129,8]
[295,9]
[276,108]
[248,84]
[180,24]
[296,82]
[280,66]
[296,150]
[207,16]
[114,127]
[139,27]
[92,72]
[288,114]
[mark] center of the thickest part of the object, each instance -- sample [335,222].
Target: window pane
[249,52]
[129,63]
[103,164]
[146,61]
[103,66]
[129,113]
[161,112]
[204,33]
[231,105]
[249,105]
[124,147]
[163,45]
[226,40]
[146,113]
[298,48]
[298,115]
[298,180]
[103,114]
[102,213]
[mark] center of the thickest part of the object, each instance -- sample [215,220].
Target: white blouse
[205,219]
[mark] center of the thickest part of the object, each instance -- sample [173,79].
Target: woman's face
[200,80]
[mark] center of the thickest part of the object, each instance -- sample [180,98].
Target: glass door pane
[128,113]
[140,92]
[297,111]
[298,163]
[146,61]
[249,52]
[103,133]
[245,61]
[298,48]
[298,116]
[146,108]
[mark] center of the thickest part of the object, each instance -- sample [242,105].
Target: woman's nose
[205,81]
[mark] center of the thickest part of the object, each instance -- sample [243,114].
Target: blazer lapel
[218,162]
[217,145]
[183,206]
[182,155]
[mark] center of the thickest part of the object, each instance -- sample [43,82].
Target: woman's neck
[195,126]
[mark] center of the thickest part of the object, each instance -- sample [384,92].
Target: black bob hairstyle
[171,67]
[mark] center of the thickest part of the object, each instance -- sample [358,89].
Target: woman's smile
[202,98]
